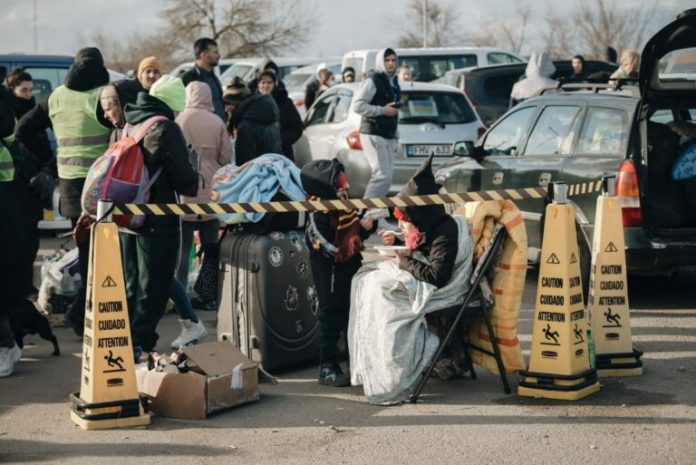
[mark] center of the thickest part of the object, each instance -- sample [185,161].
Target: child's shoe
[331,375]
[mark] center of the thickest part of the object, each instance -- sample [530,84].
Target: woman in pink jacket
[206,132]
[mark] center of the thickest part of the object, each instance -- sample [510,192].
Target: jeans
[182,303]
[208,231]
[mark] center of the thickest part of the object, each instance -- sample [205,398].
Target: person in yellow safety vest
[82,134]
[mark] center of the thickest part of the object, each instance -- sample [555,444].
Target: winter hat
[149,62]
[320,177]
[87,71]
[127,90]
[235,91]
[171,91]
[91,53]
[423,183]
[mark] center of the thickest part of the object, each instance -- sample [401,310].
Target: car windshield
[295,82]
[435,107]
[234,70]
[429,68]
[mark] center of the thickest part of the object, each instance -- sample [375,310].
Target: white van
[428,64]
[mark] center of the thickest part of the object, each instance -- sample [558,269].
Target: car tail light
[353,140]
[481,131]
[627,191]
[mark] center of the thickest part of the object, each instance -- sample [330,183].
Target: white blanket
[388,338]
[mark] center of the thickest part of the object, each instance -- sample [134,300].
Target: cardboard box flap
[217,358]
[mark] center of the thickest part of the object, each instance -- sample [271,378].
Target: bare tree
[508,33]
[602,23]
[559,37]
[241,27]
[442,21]
[124,53]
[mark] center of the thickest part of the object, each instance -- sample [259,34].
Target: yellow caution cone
[108,396]
[608,296]
[559,366]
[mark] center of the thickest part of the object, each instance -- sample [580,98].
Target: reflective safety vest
[7,168]
[81,137]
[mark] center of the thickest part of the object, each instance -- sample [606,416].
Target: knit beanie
[235,92]
[149,62]
[171,91]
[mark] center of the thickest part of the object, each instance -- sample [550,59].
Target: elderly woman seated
[388,337]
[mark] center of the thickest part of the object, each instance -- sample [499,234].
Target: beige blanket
[508,282]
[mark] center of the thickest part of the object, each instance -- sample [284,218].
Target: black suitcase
[268,304]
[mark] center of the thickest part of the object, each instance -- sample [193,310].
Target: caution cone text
[608,296]
[108,396]
[559,365]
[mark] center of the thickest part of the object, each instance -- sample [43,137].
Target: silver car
[434,118]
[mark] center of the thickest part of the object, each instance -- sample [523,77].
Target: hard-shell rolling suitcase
[268,304]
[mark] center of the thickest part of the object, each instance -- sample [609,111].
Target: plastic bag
[60,281]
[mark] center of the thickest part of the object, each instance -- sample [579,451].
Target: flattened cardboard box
[230,379]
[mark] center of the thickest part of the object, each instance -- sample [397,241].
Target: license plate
[439,150]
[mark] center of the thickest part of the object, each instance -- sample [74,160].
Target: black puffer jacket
[258,132]
[164,147]
[441,232]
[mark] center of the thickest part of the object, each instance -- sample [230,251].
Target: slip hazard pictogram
[573,258]
[553,260]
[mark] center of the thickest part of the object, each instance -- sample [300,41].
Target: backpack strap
[144,127]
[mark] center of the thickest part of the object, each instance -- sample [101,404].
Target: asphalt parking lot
[643,420]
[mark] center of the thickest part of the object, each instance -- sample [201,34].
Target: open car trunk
[667,122]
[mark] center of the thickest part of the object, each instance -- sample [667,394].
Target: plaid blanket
[508,281]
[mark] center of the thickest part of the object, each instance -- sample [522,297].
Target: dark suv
[489,87]
[581,136]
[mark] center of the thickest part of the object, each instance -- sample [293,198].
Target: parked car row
[434,119]
[634,133]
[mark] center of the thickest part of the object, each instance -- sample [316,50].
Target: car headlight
[463,148]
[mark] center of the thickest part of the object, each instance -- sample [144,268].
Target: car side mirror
[463,148]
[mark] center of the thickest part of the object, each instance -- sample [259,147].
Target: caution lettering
[551,299]
[113,306]
[108,342]
[551,316]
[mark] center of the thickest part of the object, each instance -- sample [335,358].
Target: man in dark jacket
[207,57]
[291,126]
[150,255]
[255,120]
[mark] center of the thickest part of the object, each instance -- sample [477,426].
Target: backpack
[120,175]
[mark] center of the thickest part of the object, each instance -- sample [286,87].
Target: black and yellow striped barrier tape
[165,209]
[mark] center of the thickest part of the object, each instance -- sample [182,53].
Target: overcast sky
[342,25]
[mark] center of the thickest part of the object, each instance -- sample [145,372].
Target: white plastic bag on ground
[60,276]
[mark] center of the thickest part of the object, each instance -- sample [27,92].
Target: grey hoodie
[539,69]
[366,91]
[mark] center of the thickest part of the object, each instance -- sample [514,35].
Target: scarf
[347,242]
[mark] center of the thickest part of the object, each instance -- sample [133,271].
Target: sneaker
[190,334]
[8,357]
[330,375]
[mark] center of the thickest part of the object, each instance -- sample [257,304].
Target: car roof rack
[622,84]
